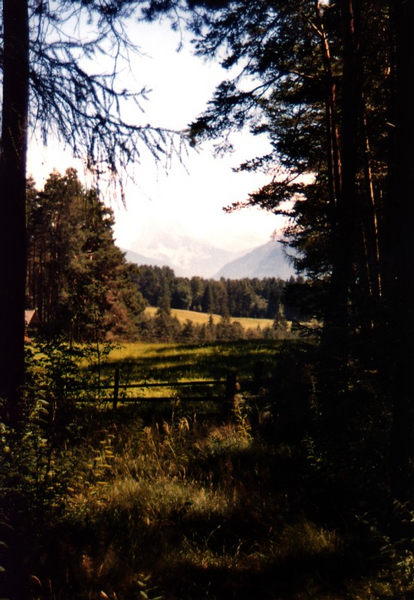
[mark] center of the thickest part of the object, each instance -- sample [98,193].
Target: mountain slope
[268,260]
[140,259]
[186,255]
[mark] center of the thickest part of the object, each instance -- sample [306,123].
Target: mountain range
[268,260]
[188,257]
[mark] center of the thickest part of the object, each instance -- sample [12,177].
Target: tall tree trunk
[371,219]
[400,255]
[345,222]
[343,214]
[333,156]
[13,197]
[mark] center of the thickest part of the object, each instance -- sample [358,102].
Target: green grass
[203,318]
[173,363]
[177,362]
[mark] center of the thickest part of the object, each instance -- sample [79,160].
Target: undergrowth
[113,505]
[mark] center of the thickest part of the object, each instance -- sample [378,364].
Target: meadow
[186,371]
[200,318]
[139,361]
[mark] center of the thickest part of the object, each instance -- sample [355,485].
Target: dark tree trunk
[343,214]
[345,225]
[400,256]
[13,198]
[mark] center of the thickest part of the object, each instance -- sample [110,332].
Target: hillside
[268,260]
[139,259]
[199,318]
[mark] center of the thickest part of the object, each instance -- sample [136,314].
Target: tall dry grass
[177,509]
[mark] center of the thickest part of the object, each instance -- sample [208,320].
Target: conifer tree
[77,278]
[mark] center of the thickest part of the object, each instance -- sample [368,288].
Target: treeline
[164,327]
[257,298]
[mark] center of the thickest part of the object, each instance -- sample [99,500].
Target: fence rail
[144,384]
[231,387]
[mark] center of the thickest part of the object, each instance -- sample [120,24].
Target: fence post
[232,391]
[116,389]
[258,374]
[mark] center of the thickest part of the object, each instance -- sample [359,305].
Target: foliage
[81,286]
[254,298]
[190,328]
[125,505]
[307,490]
[36,465]
[86,105]
[77,278]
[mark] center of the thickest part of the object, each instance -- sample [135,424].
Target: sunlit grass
[142,362]
[139,350]
[199,318]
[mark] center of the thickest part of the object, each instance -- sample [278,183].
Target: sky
[186,200]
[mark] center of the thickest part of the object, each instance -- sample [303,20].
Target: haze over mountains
[268,260]
[188,257]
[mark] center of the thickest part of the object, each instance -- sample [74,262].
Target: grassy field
[202,318]
[141,362]
[148,362]
[105,504]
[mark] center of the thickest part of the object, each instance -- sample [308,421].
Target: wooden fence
[209,390]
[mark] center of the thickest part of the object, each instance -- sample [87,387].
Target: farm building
[31,322]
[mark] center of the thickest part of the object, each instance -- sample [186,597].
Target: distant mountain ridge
[268,260]
[190,257]
[140,259]
[187,256]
